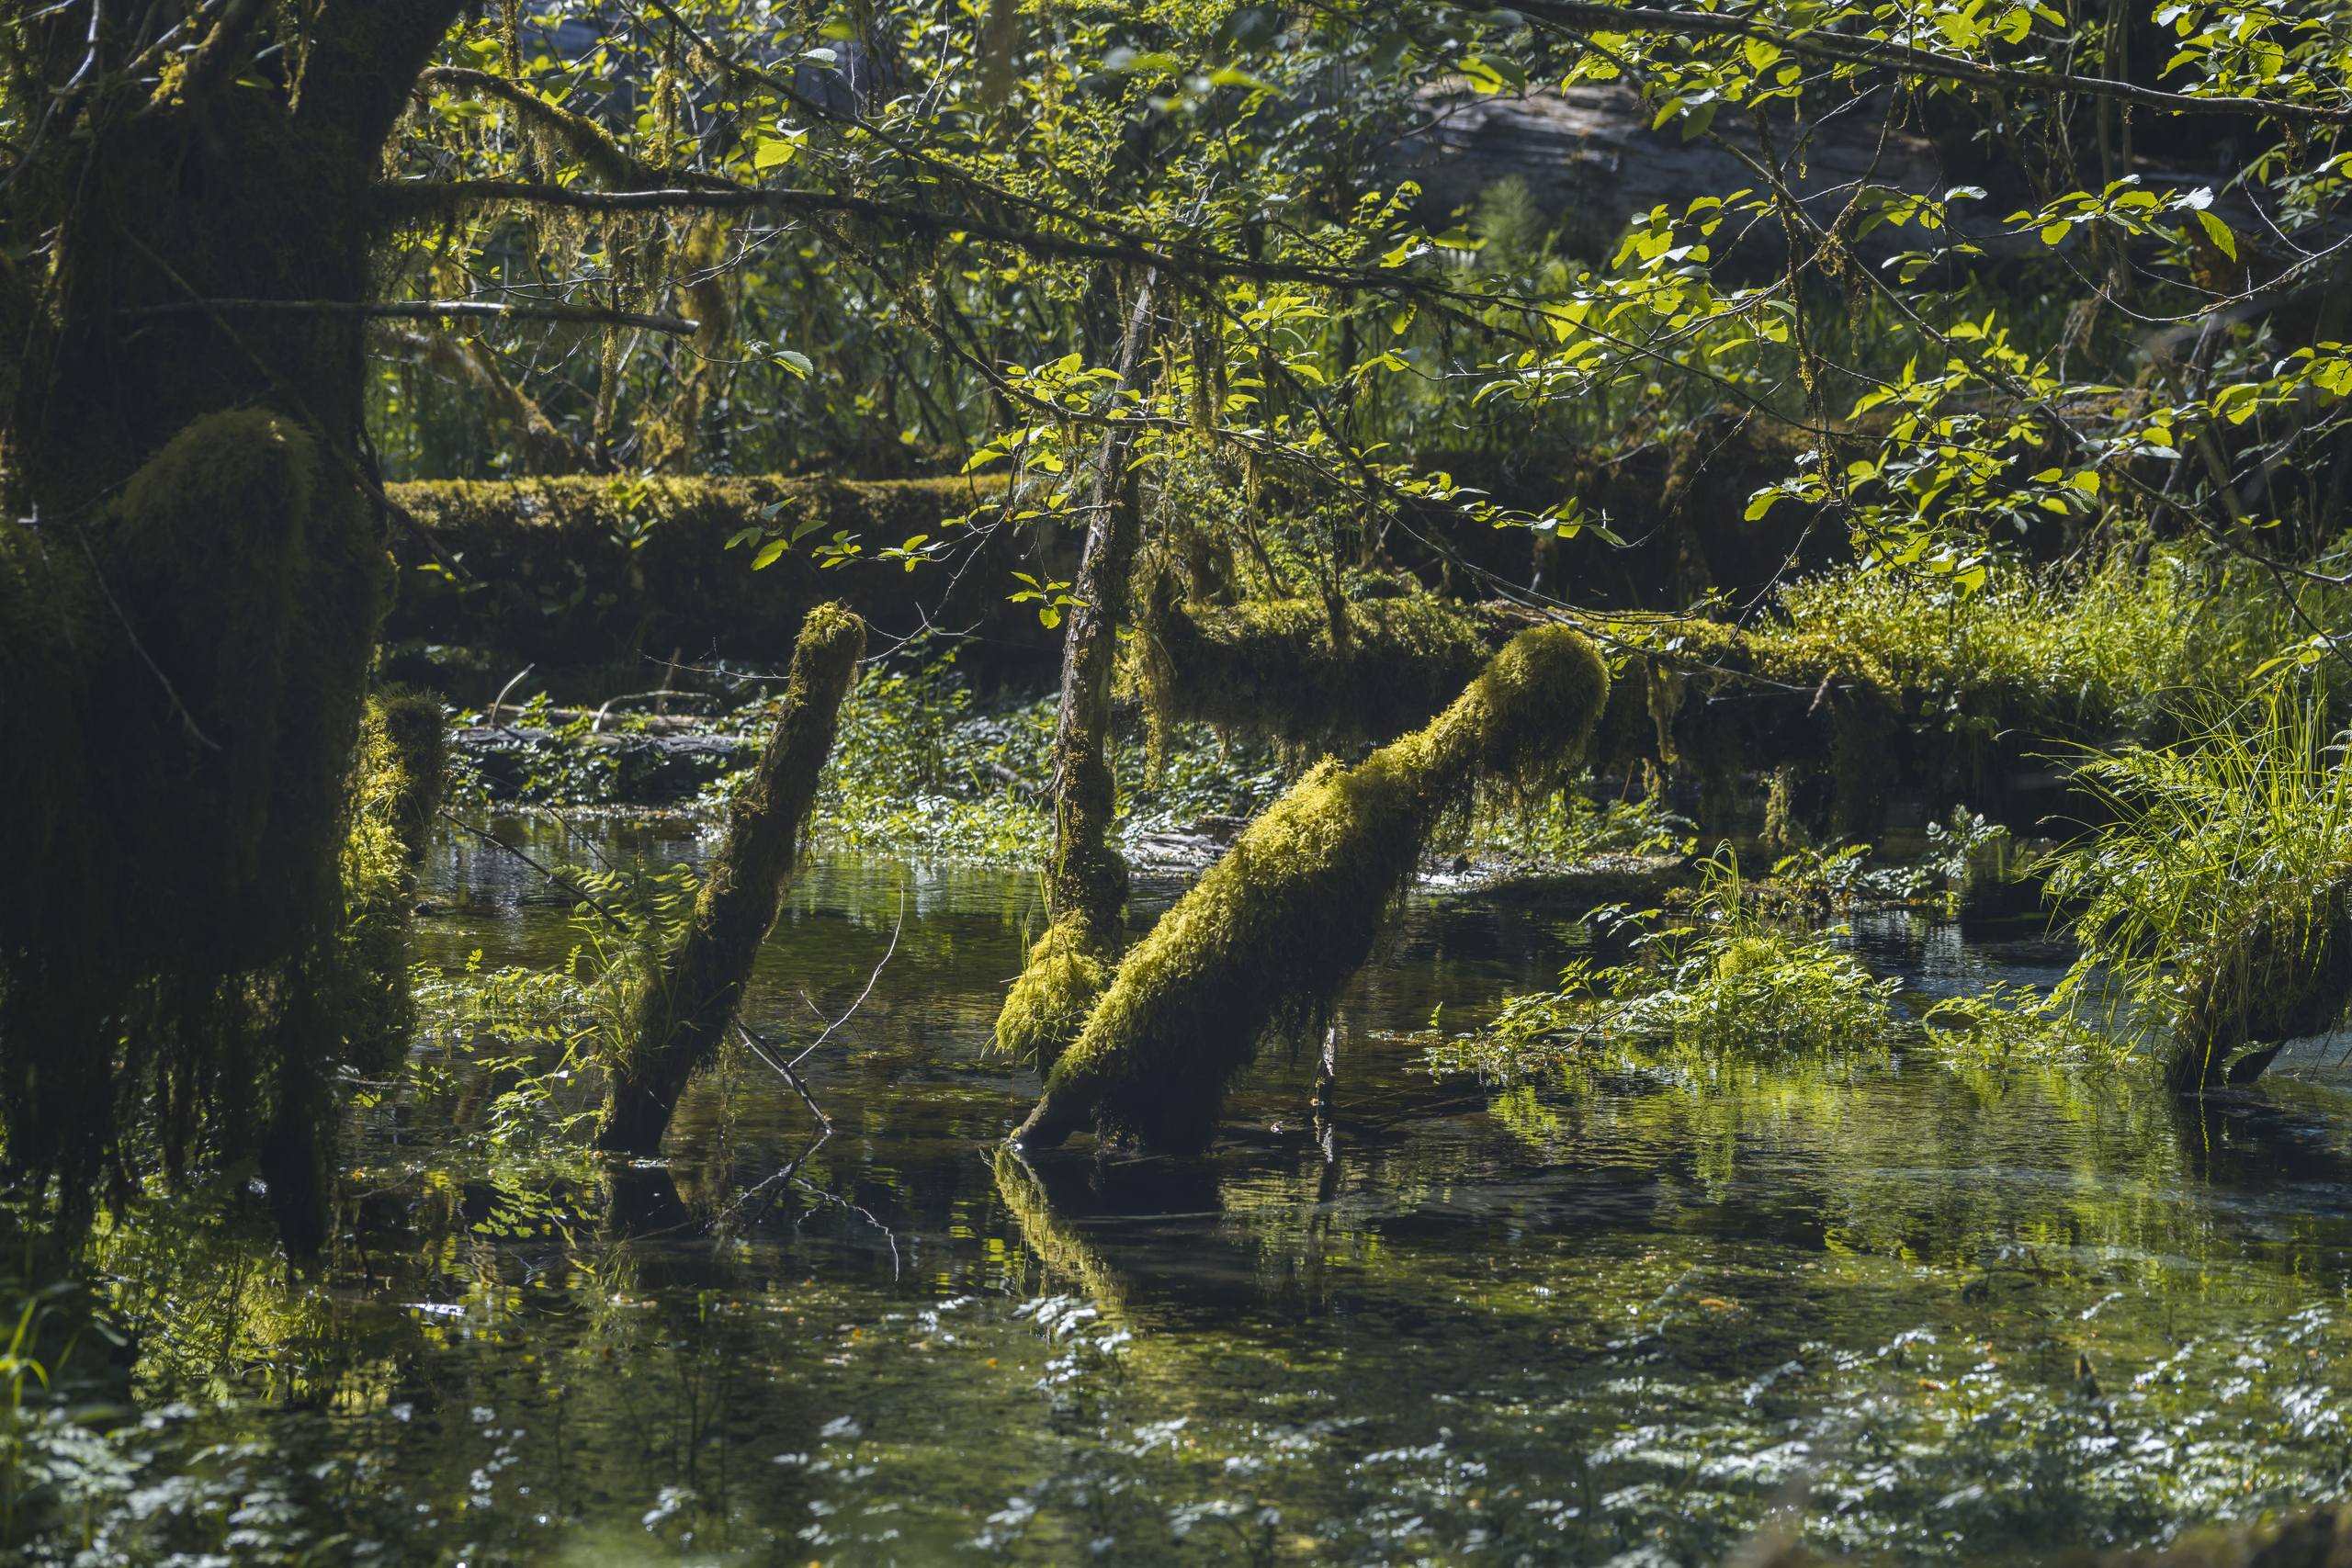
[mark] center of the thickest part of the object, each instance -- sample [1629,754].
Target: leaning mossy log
[1272,666]
[2286,974]
[684,1008]
[1268,936]
[587,571]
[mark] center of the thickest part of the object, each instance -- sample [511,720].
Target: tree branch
[437,197]
[1586,15]
[426,311]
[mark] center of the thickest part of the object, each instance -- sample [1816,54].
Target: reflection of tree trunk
[184,634]
[1055,1241]
[682,1010]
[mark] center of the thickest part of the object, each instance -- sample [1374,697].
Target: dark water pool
[1913,1311]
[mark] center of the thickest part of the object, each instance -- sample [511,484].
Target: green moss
[1265,939]
[681,1011]
[586,570]
[1271,666]
[1066,971]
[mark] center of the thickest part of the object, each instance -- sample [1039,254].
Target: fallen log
[590,572]
[683,1008]
[1264,940]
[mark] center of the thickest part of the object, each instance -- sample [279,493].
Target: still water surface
[1919,1312]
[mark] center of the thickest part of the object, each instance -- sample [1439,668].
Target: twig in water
[870,980]
[758,1047]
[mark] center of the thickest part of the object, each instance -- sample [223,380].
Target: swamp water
[1917,1311]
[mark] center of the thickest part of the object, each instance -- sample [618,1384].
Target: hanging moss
[683,1010]
[2286,974]
[1265,939]
[1271,666]
[1064,972]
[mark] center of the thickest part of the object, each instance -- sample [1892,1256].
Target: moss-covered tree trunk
[685,1008]
[1267,937]
[1086,882]
[190,579]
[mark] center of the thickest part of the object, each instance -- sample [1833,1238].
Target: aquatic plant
[2216,897]
[1267,937]
[1740,975]
[684,1008]
[2005,1023]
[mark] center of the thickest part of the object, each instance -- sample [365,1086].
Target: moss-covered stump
[589,570]
[2287,974]
[1265,939]
[1066,970]
[181,682]
[683,1008]
[1272,667]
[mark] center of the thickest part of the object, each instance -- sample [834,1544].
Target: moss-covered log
[1272,666]
[2287,974]
[1269,935]
[684,1008]
[588,571]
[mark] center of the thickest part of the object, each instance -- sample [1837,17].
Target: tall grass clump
[2216,898]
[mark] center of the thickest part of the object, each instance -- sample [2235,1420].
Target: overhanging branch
[436,197]
[1587,16]
[426,311]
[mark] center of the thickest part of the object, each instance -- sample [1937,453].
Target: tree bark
[1086,880]
[189,585]
[682,1010]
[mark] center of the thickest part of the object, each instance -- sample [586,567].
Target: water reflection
[1924,1311]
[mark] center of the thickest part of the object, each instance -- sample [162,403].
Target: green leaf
[2218,232]
[774,152]
[797,362]
[768,554]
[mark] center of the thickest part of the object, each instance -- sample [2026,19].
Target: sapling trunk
[685,1006]
[1268,936]
[1086,882]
